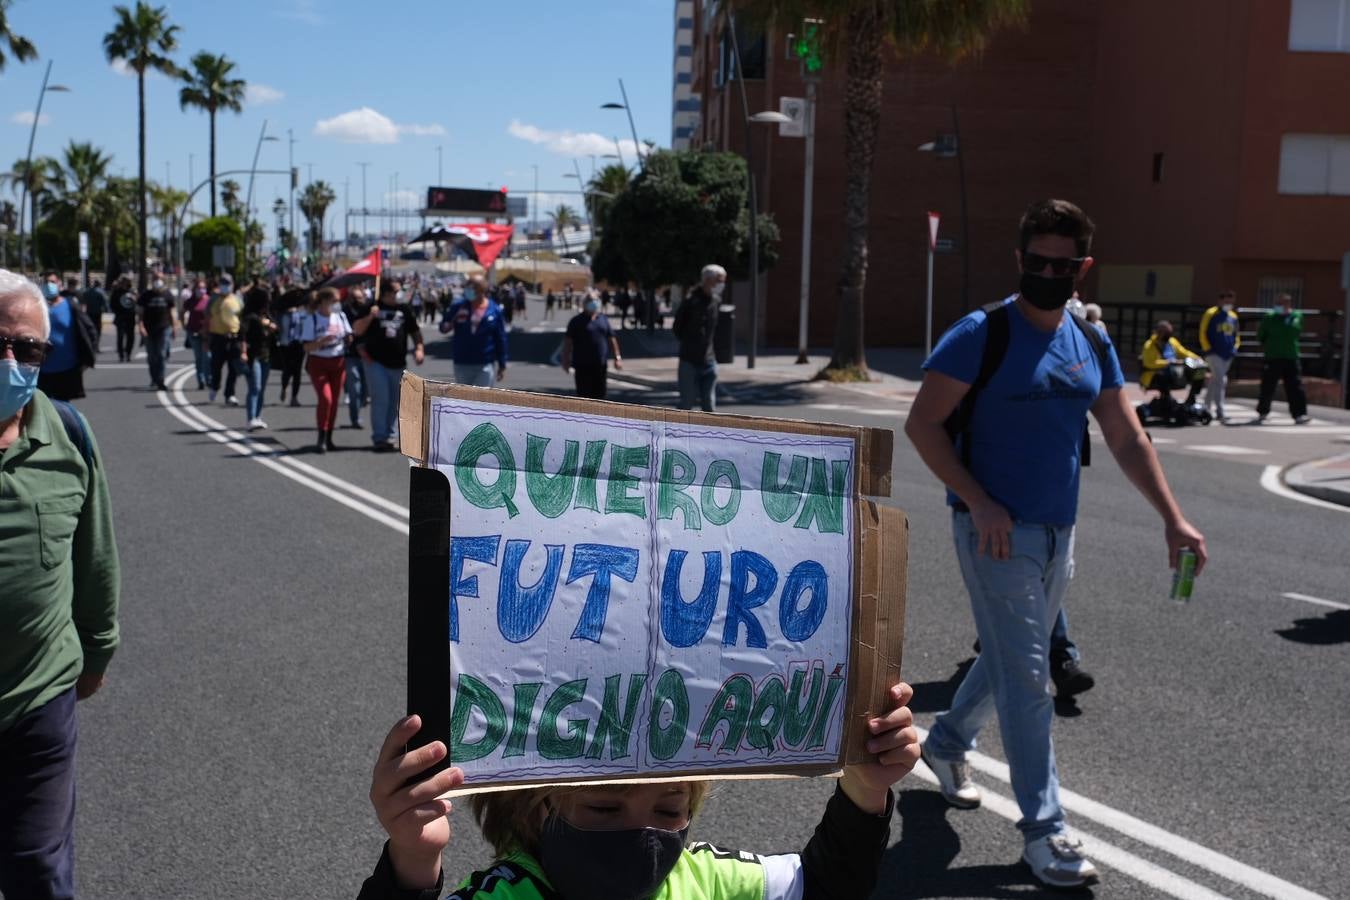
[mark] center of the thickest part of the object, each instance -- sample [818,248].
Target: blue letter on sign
[479,549]
[745,563]
[800,624]
[602,561]
[521,610]
[684,624]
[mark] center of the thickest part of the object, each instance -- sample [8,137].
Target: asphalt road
[262,661]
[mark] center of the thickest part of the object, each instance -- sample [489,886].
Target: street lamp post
[808,192]
[626,107]
[440,173]
[945,149]
[290,164]
[28,163]
[262,137]
[363,166]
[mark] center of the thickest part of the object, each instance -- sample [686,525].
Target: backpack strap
[995,348]
[1098,345]
[76,429]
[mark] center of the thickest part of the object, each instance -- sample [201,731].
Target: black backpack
[75,428]
[995,348]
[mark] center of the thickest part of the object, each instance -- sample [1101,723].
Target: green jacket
[58,605]
[1279,333]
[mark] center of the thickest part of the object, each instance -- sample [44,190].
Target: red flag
[369,267]
[488,240]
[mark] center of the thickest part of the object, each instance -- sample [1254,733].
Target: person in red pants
[325,332]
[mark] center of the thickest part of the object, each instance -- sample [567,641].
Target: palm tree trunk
[862,119]
[211,114]
[140,194]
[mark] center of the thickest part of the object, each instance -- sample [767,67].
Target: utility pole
[535,255]
[290,156]
[346,211]
[363,166]
[440,174]
[191,158]
[808,191]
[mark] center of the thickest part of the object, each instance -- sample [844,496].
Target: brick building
[1210,141]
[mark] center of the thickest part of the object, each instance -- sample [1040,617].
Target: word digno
[812,490]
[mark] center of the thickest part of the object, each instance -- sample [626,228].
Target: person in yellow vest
[1161,372]
[224,322]
[628,841]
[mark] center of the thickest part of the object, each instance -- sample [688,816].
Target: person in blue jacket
[479,343]
[1219,340]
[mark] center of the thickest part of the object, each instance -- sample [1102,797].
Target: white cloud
[572,143]
[368,126]
[26,118]
[359,126]
[303,11]
[259,94]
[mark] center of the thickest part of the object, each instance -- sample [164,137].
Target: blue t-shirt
[64,355]
[1027,430]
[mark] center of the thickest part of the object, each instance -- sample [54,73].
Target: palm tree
[20,46]
[167,201]
[229,195]
[37,178]
[209,86]
[602,190]
[9,220]
[82,174]
[865,30]
[564,217]
[314,201]
[142,39]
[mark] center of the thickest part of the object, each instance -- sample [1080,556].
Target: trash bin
[724,339]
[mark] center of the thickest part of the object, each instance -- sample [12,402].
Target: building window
[1319,26]
[1315,164]
[1157,168]
[752,47]
[1272,286]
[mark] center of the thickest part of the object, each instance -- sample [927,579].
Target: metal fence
[1130,325]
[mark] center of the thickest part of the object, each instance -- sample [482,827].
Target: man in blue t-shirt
[1012,479]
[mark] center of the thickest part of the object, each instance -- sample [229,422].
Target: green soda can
[1183,579]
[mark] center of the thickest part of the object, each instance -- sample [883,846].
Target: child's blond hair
[511,820]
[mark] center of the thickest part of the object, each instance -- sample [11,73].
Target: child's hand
[415,820]
[895,744]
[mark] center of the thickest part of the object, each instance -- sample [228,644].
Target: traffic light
[807,46]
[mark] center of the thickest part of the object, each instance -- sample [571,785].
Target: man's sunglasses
[1059,265]
[27,351]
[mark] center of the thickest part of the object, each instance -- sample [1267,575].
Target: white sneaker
[232,401]
[1058,861]
[261,423]
[1302,420]
[953,780]
[255,424]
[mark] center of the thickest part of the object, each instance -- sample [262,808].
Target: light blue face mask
[50,290]
[470,294]
[17,383]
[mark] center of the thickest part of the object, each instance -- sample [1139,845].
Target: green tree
[683,210]
[40,177]
[602,190]
[19,46]
[866,32]
[229,196]
[563,218]
[211,86]
[314,201]
[9,221]
[143,39]
[166,202]
[83,174]
[210,233]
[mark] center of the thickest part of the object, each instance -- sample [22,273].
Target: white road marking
[1317,600]
[1163,440]
[1227,449]
[1270,480]
[1099,850]
[1323,430]
[1122,860]
[623,382]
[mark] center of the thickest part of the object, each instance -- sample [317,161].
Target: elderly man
[58,601]
[695,326]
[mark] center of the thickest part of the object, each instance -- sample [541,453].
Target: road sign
[944,245]
[84,245]
[222,256]
[795,109]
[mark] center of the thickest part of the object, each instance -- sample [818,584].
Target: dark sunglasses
[1059,265]
[27,351]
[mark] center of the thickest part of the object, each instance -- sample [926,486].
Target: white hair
[12,284]
[713,270]
[1092,311]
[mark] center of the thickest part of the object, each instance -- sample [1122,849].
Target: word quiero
[777,714]
[812,491]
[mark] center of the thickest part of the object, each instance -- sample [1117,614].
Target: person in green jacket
[1279,333]
[628,841]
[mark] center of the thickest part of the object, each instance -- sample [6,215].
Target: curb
[1325,479]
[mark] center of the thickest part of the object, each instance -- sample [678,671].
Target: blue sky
[500,86]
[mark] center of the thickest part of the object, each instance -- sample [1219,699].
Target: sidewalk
[1325,479]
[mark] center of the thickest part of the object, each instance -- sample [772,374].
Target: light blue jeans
[1015,603]
[476,374]
[256,373]
[698,383]
[201,357]
[357,393]
[383,384]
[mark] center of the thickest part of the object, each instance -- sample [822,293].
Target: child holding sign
[628,842]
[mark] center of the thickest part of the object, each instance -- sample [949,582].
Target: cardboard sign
[609,592]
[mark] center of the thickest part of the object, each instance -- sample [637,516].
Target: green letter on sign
[677,473]
[719,469]
[825,504]
[617,498]
[486,440]
[666,742]
[470,693]
[553,745]
[550,494]
[731,705]
[616,728]
[781,500]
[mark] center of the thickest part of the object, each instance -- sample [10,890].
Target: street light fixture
[948,146]
[28,164]
[627,108]
[263,137]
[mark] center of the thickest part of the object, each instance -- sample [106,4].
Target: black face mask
[618,865]
[1046,293]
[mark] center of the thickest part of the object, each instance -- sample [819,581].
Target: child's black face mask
[630,864]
